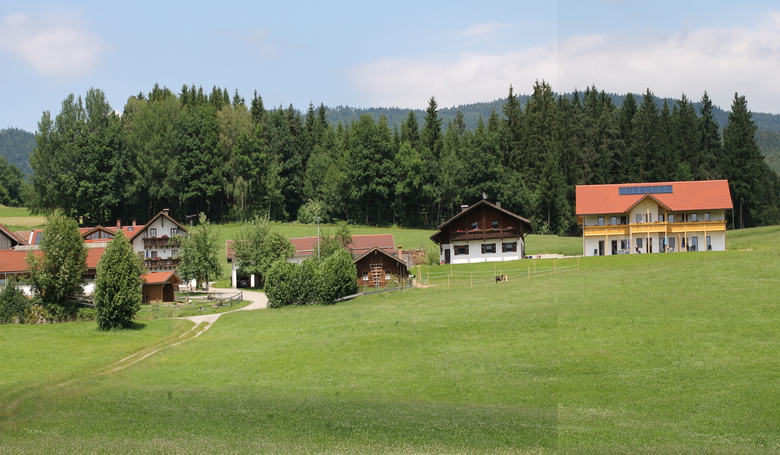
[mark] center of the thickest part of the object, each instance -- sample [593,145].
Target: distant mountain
[17,146]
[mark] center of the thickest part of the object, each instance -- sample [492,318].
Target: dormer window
[153,232]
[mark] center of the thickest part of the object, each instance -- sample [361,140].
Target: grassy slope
[19,218]
[668,353]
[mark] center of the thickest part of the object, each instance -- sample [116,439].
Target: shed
[160,286]
[377,268]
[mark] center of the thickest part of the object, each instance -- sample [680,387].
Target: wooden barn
[378,268]
[160,286]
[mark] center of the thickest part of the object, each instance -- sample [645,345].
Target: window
[639,242]
[662,244]
[613,220]
[154,255]
[650,218]
[694,217]
[623,220]
[153,232]
[671,217]
[660,218]
[494,224]
[474,225]
[623,244]
[639,218]
[174,231]
[694,244]
[174,254]
[461,249]
[365,276]
[509,247]
[671,243]
[709,243]
[488,248]
[706,216]
[601,221]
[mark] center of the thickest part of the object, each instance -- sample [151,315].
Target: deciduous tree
[118,285]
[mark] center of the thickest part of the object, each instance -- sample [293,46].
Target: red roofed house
[12,264]
[483,232]
[653,217]
[157,242]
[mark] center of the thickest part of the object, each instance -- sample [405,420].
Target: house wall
[649,212]
[475,253]
[167,253]
[392,269]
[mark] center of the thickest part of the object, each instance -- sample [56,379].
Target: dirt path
[202,323]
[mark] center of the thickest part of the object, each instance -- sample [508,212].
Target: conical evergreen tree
[118,285]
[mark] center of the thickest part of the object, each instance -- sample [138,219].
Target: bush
[13,303]
[311,282]
[118,286]
[86,314]
[279,285]
[36,314]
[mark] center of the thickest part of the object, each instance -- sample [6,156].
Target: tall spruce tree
[118,285]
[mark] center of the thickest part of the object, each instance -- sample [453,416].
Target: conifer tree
[710,144]
[118,285]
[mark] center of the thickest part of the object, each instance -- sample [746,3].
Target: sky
[384,54]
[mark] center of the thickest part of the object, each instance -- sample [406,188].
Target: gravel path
[259,301]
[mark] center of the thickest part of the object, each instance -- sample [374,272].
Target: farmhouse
[13,264]
[653,217]
[379,268]
[157,242]
[484,232]
[8,239]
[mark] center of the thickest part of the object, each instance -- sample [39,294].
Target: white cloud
[54,46]
[720,61]
[483,29]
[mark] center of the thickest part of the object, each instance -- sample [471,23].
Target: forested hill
[16,146]
[768,134]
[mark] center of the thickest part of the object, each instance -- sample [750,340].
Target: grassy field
[19,218]
[673,353]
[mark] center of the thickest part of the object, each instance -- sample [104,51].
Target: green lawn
[19,218]
[662,353]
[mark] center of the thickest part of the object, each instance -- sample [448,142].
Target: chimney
[498,204]
[133,222]
[400,252]
[463,207]
[165,211]
[119,223]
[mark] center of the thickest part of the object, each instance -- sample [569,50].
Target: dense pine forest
[195,151]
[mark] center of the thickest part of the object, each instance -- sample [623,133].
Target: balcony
[162,242]
[156,263]
[484,234]
[655,227]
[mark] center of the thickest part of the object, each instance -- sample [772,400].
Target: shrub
[86,314]
[306,280]
[338,277]
[13,303]
[36,314]
[279,285]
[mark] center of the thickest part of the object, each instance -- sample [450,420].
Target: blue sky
[392,54]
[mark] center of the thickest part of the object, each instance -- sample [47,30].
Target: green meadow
[19,218]
[650,354]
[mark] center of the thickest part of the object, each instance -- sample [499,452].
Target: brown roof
[161,277]
[307,246]
[526,224]
[12,235]
[381,251]
[701,195]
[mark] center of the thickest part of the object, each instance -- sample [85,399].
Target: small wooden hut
[160,286]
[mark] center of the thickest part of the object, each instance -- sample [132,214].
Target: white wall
[475,252]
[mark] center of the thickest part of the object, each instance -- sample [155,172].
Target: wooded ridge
[197,152]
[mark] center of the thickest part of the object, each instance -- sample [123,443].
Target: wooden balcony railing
[655,227]
[484,234]
[162,242]
[150,263]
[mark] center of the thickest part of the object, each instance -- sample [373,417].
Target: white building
[653,217]
[157,242]
[483,232]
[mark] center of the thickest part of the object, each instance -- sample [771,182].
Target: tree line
[214,153]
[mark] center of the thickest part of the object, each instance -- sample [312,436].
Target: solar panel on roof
[653,189]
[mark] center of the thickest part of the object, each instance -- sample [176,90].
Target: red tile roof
[307,246]
[161,277]
[701,195]
[14,261]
